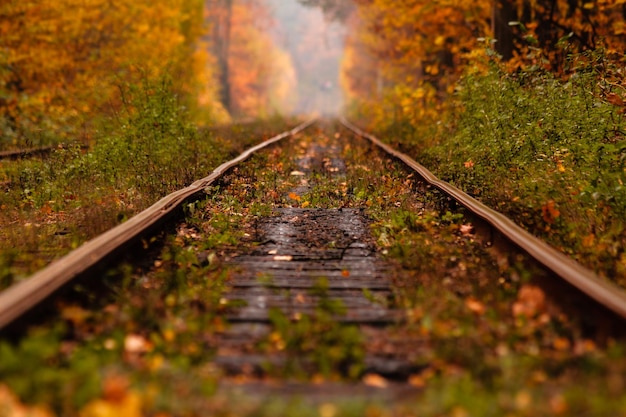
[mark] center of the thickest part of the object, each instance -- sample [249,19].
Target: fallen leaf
[584,346]
[614,99]
[375,380]
[115,387]
[11,406]
[558,405]
[294,196]
[297,173]
[328,410]
[417,381]
[475,306]
[531,301]
[550,212]
[345,273]
[466,229]
[561,344]
[523,400]
[134,343]
[129,406]
[74,314]
[589,240]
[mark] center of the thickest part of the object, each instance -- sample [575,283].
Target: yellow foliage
[403,54]
[397,49]
[117,400]
[63,59]
[128,406]
[261,76]
[11,406]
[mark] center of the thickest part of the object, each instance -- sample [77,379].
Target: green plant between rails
[486,357]
[157,330]
[316,343]
[149,328]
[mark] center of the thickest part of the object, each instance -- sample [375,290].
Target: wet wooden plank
[305,282]
[354,315]
[21,297]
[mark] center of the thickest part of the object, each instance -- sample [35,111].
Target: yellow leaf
[11,406]
[128,406]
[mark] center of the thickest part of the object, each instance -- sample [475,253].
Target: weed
[547,152]
[317,343]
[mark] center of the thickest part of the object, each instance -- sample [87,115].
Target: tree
[558,27]
[61,62]
[219,17]
[503,13]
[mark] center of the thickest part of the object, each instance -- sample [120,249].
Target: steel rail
[23,296]
[594,286]
[25,153]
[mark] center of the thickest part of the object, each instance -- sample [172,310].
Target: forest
[519,103]
[230,61]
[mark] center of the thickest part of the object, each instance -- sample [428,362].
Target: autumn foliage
[412,53]
[62,62]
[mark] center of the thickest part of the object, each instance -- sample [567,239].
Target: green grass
[549,153]
[151,334]
[55,203]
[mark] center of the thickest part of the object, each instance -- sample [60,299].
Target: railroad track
[36,152]
[310,263]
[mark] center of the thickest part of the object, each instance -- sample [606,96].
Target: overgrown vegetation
[149,149]
[548,152]
[317,343]
[488,340]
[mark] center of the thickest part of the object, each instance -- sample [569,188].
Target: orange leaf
[531,300]
[550,212]
[375,380]
[614,99]
[475,306]
[46,209]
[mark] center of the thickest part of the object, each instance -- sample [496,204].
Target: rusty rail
[594,286]
[44,150]
[23,296]
[26,294]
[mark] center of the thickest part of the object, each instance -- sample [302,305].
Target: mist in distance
[315,46]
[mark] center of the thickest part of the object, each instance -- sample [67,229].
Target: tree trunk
[220,20]
[503,13]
